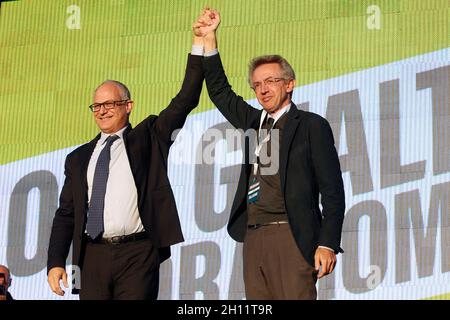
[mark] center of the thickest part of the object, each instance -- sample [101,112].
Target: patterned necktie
[94,224]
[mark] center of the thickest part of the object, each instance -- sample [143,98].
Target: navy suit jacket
[147,146]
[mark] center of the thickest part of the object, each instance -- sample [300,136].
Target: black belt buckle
[254,226]
[115,240]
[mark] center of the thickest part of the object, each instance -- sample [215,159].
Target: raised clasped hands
[207,23]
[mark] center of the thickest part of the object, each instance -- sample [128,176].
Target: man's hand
[54,276]
[325,258]
[207,23]
[198,28]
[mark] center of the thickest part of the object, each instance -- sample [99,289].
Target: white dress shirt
[121,213]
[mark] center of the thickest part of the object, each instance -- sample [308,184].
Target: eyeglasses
[270,82]
[107,105]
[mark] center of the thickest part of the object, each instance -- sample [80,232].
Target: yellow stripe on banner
[440,297]
[49,67]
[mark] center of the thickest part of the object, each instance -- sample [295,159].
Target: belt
[259,225]
[120,239]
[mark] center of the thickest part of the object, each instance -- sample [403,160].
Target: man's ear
[290,86]
[130,105]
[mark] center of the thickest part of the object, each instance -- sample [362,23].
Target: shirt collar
[105,136]
[277,115]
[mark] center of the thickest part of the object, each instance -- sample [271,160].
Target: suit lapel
[133,148]
[130,155]
[293,119]
[85,156]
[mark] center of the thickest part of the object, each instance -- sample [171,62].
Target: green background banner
[377,70]
[48,71]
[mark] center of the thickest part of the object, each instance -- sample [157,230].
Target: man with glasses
[117,205]
[288,241]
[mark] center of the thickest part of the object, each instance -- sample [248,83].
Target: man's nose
[102,110]
[264,88]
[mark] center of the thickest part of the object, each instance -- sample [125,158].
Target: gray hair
[288,72]
[124,92]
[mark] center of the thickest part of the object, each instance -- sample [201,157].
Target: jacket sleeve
[63,223]
[175,114]
[233,107]
[327,171]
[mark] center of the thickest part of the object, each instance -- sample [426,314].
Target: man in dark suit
[287,238]
[117,205]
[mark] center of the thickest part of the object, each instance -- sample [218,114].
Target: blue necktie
[94,224]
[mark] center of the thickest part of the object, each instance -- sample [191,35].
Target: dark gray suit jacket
[309,165]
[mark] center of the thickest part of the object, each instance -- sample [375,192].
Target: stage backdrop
[377,70]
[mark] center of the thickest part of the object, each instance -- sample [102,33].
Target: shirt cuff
[197,50]
[326,248]
[211,53]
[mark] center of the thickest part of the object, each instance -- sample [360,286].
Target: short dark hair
[288,72]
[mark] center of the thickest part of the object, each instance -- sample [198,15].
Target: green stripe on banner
[48,71]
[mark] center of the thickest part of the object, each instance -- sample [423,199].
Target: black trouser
[120,271]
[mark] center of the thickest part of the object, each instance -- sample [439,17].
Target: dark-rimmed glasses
[95,107]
